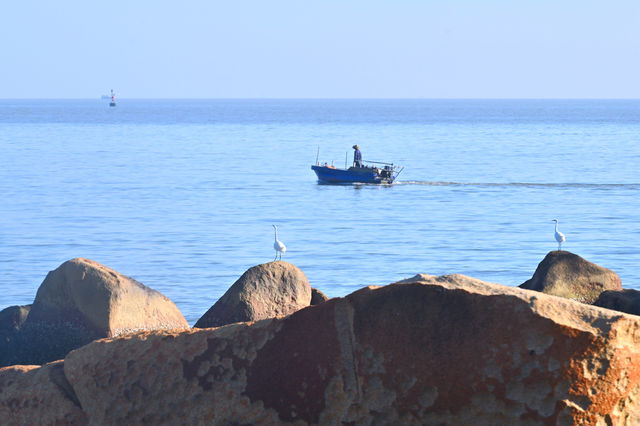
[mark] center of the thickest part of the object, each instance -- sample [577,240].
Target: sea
[181,195]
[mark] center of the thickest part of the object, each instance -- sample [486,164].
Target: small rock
[627,301]
[564,274]
[265,291]
[12,318]
[11,321]
[318,297]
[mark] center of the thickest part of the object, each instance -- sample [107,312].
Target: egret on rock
[559,235]
[277,245]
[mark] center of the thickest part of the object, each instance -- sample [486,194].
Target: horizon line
[326,98]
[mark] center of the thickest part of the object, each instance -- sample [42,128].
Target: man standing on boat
[357,156]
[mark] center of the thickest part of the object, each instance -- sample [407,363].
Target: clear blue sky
[321,49]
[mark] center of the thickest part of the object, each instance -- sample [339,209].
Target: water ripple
[627,186]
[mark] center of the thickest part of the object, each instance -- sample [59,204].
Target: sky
[320,49]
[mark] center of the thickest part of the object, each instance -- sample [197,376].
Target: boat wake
[629,186]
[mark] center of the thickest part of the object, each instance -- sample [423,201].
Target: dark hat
[355,147]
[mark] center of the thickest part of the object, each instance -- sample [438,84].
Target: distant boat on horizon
[113,99]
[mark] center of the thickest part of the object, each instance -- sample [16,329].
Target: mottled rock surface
[439,350]
[564,274]
[81,301]
[317,297]
[624,301]
[31,394]
[265,291]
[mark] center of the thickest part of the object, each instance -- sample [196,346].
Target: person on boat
[357,156]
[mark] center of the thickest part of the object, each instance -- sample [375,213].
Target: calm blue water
[181,194]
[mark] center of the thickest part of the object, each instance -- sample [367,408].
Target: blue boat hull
[352,175]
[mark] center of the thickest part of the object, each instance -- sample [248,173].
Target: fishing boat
[373,172]
[113,99]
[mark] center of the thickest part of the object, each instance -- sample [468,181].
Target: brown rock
[441,350]
[265,291]
[32,394]
[317,297]
[624,301]
[565,274]
[12,318]
[83,300]
[98,298]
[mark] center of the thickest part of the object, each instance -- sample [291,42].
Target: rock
[12,318]
[565,274]
[416,278]
[265,291]
[83,300]
[11,321]
[38,395]
[624,301]
[440,350]
[317,297]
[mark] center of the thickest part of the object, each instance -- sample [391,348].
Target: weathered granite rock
[440,350]
[81,301]
[32,394]
[624,301]
[317,297]
[265,291]
[12,318]
[564,274]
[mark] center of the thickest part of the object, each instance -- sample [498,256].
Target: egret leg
[275,258]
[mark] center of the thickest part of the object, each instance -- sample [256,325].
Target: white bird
[277,245]
[559,235]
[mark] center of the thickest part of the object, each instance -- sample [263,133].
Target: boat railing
[377,162]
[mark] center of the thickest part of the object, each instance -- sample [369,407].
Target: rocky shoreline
[105,349]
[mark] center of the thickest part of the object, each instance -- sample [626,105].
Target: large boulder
[265,291]
[438,350]
[81,301]
[564,274]
[624,301]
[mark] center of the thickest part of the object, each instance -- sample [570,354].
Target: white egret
[277,245]
[559,235]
